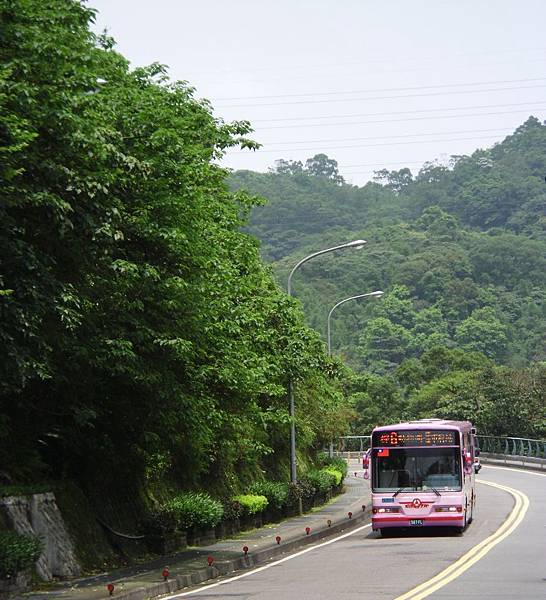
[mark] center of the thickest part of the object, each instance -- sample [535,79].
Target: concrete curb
[179,582]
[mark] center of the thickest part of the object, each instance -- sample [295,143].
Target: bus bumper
[413,522]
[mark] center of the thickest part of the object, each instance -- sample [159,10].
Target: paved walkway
[190,567]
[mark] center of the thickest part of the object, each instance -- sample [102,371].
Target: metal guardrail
[498,446]
[512,446]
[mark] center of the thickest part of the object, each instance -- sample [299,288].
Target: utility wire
[389,137]
[367,145]
[401,120]
[387,60]
[382,164]
[456,92]
[373,90]
[396,112]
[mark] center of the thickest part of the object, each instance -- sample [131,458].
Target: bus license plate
[416,521]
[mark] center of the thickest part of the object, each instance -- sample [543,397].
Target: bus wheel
[461,529]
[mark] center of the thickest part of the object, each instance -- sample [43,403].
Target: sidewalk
[190,567]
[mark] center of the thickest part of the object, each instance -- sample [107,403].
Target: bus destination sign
[417,437]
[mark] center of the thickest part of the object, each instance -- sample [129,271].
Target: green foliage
[338,464]
[338,475]
[443,244]
[303,489]
[195,510]
[498,400]
[276,492]
[17,552]
[141,336]
[251,504]
[232,509]
[460,250]
[322,480]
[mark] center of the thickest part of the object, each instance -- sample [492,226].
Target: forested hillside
[460,251]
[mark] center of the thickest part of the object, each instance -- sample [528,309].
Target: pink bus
[422,474]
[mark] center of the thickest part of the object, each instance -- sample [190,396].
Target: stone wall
[39,515]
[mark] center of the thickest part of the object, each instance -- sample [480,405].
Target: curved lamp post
[376,294]
[358,244]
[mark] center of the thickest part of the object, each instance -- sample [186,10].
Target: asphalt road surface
[501,555]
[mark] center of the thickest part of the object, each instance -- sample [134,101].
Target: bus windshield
[416,469]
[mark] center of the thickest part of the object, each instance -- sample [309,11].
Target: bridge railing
[512,446]
[515,451]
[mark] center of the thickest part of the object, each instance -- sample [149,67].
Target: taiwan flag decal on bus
[382,452]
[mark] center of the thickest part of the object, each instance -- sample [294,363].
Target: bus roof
[428,424]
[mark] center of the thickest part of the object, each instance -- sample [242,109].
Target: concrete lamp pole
[376,294]
[358,244]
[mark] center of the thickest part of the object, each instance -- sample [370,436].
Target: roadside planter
[167,543]
[252,507]
[201,537]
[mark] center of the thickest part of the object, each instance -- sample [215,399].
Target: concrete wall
[39,515]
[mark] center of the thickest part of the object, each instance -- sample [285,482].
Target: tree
[395,181]
[376,401]
[383,344]
[142,337]
[288,167]
[483,332]
[322,166]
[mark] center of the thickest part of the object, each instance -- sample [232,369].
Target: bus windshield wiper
[400,490]
[429,487]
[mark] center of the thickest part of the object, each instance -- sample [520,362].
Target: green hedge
[337,463]
[321,480]
[335,473]
[195,510]
[276,492]
[17,552]
[251,504]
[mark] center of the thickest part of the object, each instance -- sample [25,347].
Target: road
[362,565]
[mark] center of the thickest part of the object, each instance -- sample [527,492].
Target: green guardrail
[512,446]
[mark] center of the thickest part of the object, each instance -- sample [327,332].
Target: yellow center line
[477,552]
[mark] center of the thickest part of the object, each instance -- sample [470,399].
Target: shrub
[302,489]
[195,510]
[321,480]
[276,492]
[339,464]
[232,509]
[338,475]
[251,504]
[17,552]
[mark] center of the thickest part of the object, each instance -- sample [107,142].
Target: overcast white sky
[371,83]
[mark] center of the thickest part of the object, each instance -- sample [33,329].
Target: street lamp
[357,244]
[376,294]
